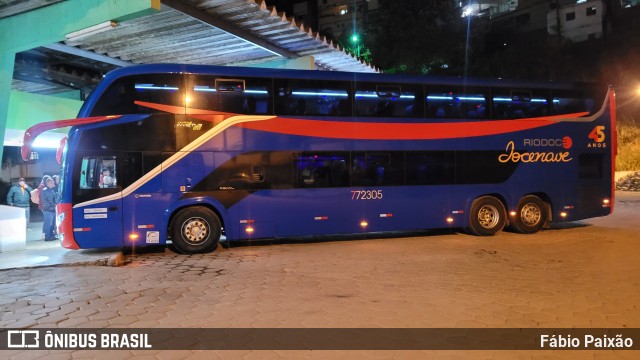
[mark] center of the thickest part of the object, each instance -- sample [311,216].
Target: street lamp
[356,43]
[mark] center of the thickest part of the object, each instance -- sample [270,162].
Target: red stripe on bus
[400,131]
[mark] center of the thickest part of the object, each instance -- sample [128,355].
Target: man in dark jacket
[48,201]
[19,196]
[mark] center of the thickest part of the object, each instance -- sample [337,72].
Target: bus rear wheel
[487,217]
[196,230]
[531,215]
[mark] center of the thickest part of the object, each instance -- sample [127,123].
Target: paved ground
[581,275]
[46,253]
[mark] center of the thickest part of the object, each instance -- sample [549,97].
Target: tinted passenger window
[311,97]
[449,102]
[377,169]
[430,168]
[154,133]
[521,103]
[386,100]
[575,101]
[321,170]
[229,95]
[251,171]
[482,167]
[143,94]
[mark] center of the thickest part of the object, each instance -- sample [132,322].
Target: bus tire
[531,215]
[487,216]
[196,230]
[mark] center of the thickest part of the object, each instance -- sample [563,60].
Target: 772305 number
[366,194]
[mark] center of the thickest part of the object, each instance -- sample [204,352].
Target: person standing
[19,195]
[41,187]
[56,181]
[48,199]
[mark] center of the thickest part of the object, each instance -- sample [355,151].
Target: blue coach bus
[191,153]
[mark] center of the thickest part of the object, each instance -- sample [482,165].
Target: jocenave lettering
[532,157]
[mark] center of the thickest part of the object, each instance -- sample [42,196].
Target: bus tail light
[606,203]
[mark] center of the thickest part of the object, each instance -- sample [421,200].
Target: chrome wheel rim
[195,231]
[488,216]
[530,214]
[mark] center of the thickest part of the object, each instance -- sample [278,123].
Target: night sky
[283,5]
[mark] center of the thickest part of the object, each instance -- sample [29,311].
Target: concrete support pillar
[7,59]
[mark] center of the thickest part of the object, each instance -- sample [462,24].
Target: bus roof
[327,75]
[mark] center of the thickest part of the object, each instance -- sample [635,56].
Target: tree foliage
[418,36]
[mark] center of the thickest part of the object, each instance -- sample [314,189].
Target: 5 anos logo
[597,137]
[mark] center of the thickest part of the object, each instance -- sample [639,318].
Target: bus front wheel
[531,215]
[196,230]
[487,216]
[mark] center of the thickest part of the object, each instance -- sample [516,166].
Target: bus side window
[321,170]
[454,102]
[98,172]
[377,169]
[387,100]
[520,103]
[573,101]
[312,97]
[235,96]
[141,94]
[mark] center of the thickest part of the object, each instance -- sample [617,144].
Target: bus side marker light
[513,213]
[606,203]
[249,230]
[133,236]
[450,220]
[81,229]
[364,224]
[386,215]
[247,221]
[321,218]
[563,214]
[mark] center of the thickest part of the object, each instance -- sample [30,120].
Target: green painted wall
[27,109]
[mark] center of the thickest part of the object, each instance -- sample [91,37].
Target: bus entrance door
[99,225]
[97,212]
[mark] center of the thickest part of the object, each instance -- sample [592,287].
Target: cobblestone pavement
[584,274]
